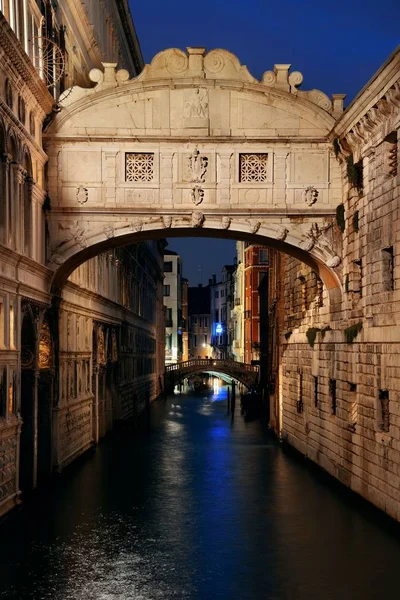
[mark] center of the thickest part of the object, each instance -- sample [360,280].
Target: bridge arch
[194,145]
[242,372]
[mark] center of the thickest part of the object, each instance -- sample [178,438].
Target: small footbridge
[243,372]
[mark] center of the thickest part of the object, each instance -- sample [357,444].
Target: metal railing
[212,364]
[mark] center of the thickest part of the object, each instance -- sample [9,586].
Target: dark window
[263,256]
[332,393]
[316,392]
[299,403]
[168,266]
[384,423]
[167,290]
[388,269]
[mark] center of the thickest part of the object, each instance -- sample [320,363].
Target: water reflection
[195,508]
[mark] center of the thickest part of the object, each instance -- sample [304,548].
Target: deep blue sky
[337,45]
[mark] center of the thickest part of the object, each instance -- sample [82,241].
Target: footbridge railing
[243,372]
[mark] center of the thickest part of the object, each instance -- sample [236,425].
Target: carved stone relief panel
[197,166]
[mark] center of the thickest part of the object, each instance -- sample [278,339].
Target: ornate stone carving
[82,194]
[254,225]
[45,347]
[109,231]
[197,166]
[139,166]
[137,225]
[253,168]
[167,221]
[333,262]
[310,195]
[197,219]
[196,104]
[101,349]
[226,222]
[75,233]
[197,194]
[281,233]
[114,347]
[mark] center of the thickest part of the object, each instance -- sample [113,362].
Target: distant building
[185,319]
[199,322]
[173,304]
[256,265]
[222,300]
[237,312]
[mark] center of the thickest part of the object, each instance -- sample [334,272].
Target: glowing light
[218,328]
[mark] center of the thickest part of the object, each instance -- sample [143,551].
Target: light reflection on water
[198,508]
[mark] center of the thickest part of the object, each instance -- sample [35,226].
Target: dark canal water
[196,508]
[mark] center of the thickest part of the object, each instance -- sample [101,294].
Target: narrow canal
[196,507]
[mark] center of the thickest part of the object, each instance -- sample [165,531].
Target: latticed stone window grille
[139,166]
[253,168]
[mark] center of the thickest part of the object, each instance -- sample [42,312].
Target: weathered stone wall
[340,396]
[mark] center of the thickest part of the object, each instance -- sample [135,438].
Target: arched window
[21,110]
[27,204]
[32,125]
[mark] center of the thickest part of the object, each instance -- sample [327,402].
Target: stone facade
[339,364]
[73,364]
[173,306]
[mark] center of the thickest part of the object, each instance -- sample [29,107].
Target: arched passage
[194,145]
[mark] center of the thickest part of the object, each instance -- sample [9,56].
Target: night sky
[337,46]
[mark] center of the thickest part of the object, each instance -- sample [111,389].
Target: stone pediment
[157,101]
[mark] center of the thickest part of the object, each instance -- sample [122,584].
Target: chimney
[200,285]
[214,279]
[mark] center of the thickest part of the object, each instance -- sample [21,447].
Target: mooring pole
[228,410]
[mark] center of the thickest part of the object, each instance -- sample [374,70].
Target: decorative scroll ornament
[197,195]
[196,105]
[167,221]
[45,348]
[109,231]
[254,225]
[197,166]
[197,219]
[226,222]
[82,194]
[310,195]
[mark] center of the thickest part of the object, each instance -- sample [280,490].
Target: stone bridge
[194,146]
[243,372]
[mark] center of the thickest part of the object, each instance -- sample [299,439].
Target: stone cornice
[378,100]
[22,65]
